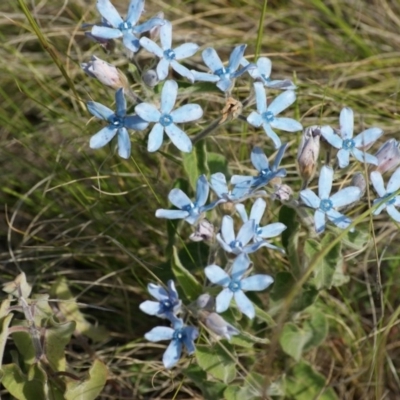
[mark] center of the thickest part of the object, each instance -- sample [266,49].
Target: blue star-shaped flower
[188,210]
[166,119]
[223,76]
[265,232]
[125,28]
[262,73]
[267,116]
[346,144]
[265,172]
[179,335]
[235,285]
[384,194]
[168,304]
[325,204]
[169,56]
[119,122]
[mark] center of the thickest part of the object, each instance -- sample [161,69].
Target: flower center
[169,55]
[234,286]
[166,120]
[326,205]
[166,305]
[265,78]
[125,26]
[188,207]
[178,335]
[117,121]
[391,201]
[236,244]
[348,144]
[222,72]
[268,116]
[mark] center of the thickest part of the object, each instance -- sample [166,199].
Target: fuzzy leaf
[293,340]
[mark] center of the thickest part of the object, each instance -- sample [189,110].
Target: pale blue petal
[346,196]
[340,220]
[319,221]
[331,137]
[223,300]
[217,275]
[181,70]
[172,354]
[394,181]
[246,232]
[148,112]
[325,182]
[271,230]
[286,124]
[264,67]
[364,157]
[202,190]
[166,35]
[257,211]
[187,113]
[191,333]
[130,41]
[278,158]
[256,282]
[124,143]
[393,212]
[168,96]
[109,12]
[171,214]
[367,137]
[102,137]
[241,209]
[241,71]
[179,138]
[343,157]
[283,101]
[223,244]
[381,207]
[261,97]
[239,266]
[257,245]
[185,50]
[241,179]
[159,333]
[255,119]
[151,47]
[150,307]
[120,103]
[211,59]
[236,56]
[99,111]
[377,182]
[259,159]
[135,10]
[346,123]
[155,139]
[218,184]
[148,25]
[157,291]
[309,198]
[264,243]
[272,135]
[224,84]
[178,198]
[244,304]
[285,84]
[204,77]
[104,32]
[162,69]
[173,294]
[135,122]
[227,231]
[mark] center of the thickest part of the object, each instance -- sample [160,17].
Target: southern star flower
[324,204]
[166,119]
[345,142]
[235,285]
[119,122]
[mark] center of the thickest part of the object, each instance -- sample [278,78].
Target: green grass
[87,215]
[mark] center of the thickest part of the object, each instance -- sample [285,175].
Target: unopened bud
[106,73]
[282,192]
[150,78]
[155,32]
[359,181]
[205,301]
[388,156]
[307,155]
[218,325]
[204,231]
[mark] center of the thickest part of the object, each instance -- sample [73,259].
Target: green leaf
[293,340]
[317,326]
[191,288]
[5,322]
[217,361]
[217,163]
[304,384]
[190,165]
[283,284]
[90,388]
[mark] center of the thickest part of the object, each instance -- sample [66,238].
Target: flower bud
[307,155]
[106,73]
[359,181]
[204,231]
[155,32]
[218,325]
[388,156]
[150,78]
[282,192]
[205,301]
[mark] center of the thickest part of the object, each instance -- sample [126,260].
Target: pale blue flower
[384,194]
[324,204]
[166,119]
[119,122]
[266,116]
[345,142]
[222,76]
[240,243]
[235,285]
[179,335]
[188,210]
[261,232]
[265,172]
[126,28]
[168,304]
[167,55]
[262,73]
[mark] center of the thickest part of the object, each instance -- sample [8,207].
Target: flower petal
[246,232]
[393,212]
[148,112]
[204,77]
[236,56]
[185,50]
[224,244]
[340,220]
[157,291]
[155,139]
[159,333]
[257,211]
[109,12]
[227,231]
[394,181]
[135,10]
[309,198]
[261,97]
[278,157]
[346,196]
[168,96]
[367,137]
[256,282]
[162,69]
[171,214]
[166,35]
[331,137]
[105,32]
[181,70]
[179,138]
[130,41]
[135,122]
[151,46]
[120,103]
[272,135]
[190,334]
[223,300]
[124,143]
[271,230]
[178,198]
[255,119]
[364,157]
[346,123]
[211,59]
[343,157]
[217,275]
[259,159]
[319,221]
[377,182]
[187,113]
[244,304]
[287,124]
[283,101]
[99,111]
[102,137]
[325,182]
[218,184]
[150,307]
[202,190]
[239,266]
[224,84]
[264,66]
[172,354]
[240,208]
